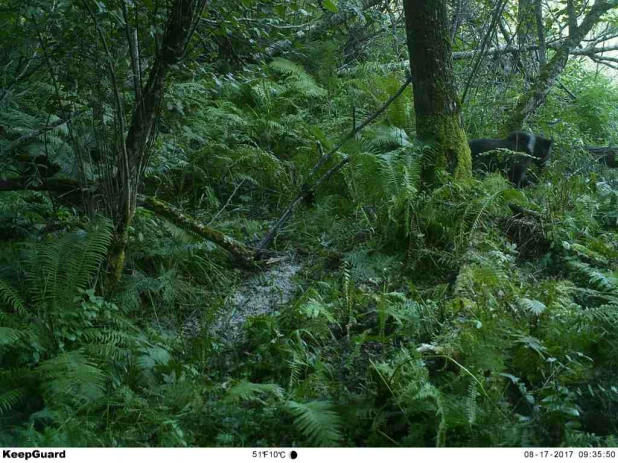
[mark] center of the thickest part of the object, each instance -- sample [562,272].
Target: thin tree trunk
[572,16]
[525,37]
[180,26]
[525,20]
[540,32]
[549,74]
[438,112]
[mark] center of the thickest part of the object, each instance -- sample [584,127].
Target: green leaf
[532,305]
[9,336]
[318,422]
[330,6]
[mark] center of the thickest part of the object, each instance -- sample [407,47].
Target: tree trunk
[438,112]
[525,38]
[540,32]
[549,74]
[180,26]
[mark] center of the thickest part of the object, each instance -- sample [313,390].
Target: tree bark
[572,16]
[180,27]
[238,250]
[525,37]
[549,74]
[438,112]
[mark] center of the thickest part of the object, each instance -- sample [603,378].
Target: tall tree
[437,108]
[549,73]
[135,150]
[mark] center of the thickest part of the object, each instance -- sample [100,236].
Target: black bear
[536,148]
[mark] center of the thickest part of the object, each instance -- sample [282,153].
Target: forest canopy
[366,223]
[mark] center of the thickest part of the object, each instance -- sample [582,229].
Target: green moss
[452,146]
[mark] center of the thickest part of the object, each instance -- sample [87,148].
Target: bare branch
[316,29]
[306,188]
[494,51]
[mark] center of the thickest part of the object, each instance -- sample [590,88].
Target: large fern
[298,80]
[71,377]
[318,422]
[59,270]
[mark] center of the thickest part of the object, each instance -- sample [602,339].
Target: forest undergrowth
[412,317]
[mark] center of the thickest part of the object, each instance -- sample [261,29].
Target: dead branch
[70,187]
[238,250]
[318,28]
[516,209]
[307,188]
[590,52]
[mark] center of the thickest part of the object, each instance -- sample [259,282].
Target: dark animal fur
[537,147]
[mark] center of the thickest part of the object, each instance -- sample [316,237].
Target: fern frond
[10,296]
[471,404]
[318,422]
[286,67]
[597,278]
[247,391]
[9,336]
[153,356]
[9,399]
[388,137]
[71,377]
[87,257]
[298,80]
[57,271]
[606,315]
[532,305]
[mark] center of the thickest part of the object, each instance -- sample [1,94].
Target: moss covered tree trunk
[238,250]
[438,113]
[549,73]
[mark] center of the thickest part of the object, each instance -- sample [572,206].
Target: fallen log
[607,155]
[239,251]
